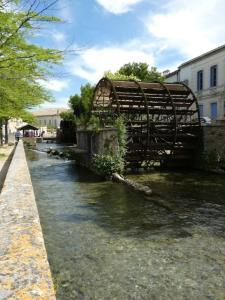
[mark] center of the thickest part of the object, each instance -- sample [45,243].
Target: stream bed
[106,241]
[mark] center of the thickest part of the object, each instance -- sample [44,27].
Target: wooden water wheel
[162,119]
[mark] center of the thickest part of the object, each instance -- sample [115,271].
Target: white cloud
[58,36]
[58,103]
[118,6]
[54,84]
[92,63]
[191,27]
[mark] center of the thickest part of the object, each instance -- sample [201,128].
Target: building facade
[205,75]
[49,118]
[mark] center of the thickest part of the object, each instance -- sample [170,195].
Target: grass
[2,156]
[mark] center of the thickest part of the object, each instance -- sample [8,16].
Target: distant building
[13,124]
[11,128]
[205,75]
[49,117]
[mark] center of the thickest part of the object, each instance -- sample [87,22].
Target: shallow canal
[105,241]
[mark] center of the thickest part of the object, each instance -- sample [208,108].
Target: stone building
[49,117]
[205,75]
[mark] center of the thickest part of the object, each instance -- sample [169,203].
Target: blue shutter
[201,110]
[214,111]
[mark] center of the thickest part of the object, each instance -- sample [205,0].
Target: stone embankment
[6,153]
[25,272]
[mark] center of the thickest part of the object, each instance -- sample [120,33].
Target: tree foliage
[68,115]
[81,104]
[23,63]
[136,71]
[118,76]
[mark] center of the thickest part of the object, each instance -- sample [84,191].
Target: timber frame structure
[162,119]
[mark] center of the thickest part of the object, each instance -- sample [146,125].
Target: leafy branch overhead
[23,63]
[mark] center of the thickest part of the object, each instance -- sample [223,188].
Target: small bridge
[162,119]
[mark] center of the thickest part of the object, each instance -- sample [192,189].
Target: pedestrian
[17,135]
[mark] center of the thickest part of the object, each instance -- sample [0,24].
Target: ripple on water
[105,241]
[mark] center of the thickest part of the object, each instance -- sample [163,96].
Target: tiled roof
[49,112]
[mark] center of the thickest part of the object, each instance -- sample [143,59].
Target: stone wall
[214,138]
[102,142]
[25,272]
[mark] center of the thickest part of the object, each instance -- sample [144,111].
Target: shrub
[106,165]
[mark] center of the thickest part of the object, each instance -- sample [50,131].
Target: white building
[14,124]
[49,117]
[205,75]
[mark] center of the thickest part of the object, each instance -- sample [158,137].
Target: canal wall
[213,146]
[25,271]
[89,143]
[214,138]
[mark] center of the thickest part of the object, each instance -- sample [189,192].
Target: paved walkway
[24,268]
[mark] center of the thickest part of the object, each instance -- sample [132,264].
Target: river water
[105,241]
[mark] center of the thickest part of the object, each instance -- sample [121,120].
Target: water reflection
[106,241]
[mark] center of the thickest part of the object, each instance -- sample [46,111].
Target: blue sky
[106,34]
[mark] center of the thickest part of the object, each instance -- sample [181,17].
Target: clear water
[105,241]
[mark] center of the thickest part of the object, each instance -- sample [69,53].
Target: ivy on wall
[109,163]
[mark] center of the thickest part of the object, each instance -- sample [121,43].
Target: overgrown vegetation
[107,164]
[94,124]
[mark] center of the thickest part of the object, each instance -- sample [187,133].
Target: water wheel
[162,119]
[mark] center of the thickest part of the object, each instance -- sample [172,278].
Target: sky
[103,35]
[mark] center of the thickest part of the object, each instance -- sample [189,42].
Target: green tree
[137,71]
[68,115]
[81,104]
[22,63]
[118,76]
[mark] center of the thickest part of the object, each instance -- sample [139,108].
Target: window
[201,110]
[213,76]
[213,110]
[45,122]
[49,122]
[200,80]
